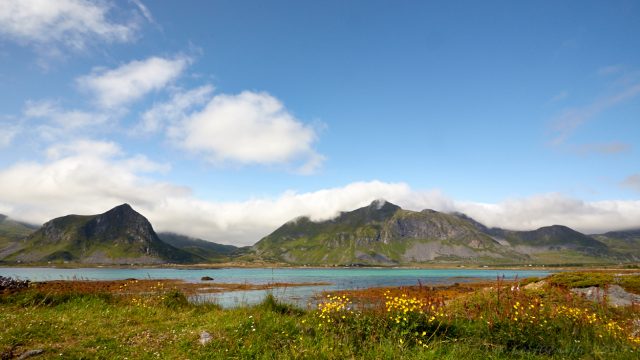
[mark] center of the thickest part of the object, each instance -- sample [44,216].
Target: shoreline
[232,265]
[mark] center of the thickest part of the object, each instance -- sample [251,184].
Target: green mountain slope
[11,229]
[119,236]
[626,243]
[382,233]
[211,251]
[11,232]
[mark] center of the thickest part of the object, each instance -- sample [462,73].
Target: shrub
[270,303]
[175,299]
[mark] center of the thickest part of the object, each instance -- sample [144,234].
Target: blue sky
[223,119]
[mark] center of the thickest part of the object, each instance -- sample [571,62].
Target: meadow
[495,320]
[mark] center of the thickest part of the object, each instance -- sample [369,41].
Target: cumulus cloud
[161,115]
[83,177]
[131,81]
[248,128]
[89,177]
[70,23]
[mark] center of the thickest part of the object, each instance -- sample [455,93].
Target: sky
[222,120]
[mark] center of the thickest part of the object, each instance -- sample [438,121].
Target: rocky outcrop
[614,295]
[8,284]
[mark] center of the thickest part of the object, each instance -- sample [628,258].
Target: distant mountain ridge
[625,242]
[384,234]
[211,251]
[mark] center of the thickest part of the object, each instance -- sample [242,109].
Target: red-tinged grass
[143,286]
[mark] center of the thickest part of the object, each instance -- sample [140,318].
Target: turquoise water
[339,279]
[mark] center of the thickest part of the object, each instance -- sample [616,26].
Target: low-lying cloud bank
[89,177]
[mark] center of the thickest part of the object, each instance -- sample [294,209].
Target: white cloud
[144,10]
[65,120]
[248,128]
[90,177]
[549,209]
[84,177]
[168,113]
[131,81]
[70,23]
[84,147]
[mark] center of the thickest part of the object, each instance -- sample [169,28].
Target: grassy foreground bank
[500,321]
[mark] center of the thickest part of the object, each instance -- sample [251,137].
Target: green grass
[629,282]
[569,257]
[165,325]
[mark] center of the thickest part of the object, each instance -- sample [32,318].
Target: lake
[339,279]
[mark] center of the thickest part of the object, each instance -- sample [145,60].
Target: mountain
[554,238]
[546,243]
[625,242]
[378,234]
[119,236]
[385,234]
[211,251]
[11,232]
[555,244]
[382,233]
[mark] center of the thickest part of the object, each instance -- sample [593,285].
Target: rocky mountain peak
[122,211]
[121,222]
[382,204]
[378,210]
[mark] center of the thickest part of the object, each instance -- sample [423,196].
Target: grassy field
[495,321]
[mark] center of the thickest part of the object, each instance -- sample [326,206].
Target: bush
[270,303]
